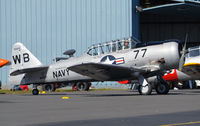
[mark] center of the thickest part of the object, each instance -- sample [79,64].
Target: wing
[28,70]
[105,72]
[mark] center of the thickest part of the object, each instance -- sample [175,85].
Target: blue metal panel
[49,27]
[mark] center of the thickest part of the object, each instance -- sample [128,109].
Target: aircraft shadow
[119,95]
[114,94]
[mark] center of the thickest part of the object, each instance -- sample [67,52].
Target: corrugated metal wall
[49,27]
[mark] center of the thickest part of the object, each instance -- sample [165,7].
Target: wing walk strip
[180,124]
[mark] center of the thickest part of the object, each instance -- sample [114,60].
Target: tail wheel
[83,86]
[162,88]
[35,91]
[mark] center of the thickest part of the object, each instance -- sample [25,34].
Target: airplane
[125,59]
[190,69]
[3,62]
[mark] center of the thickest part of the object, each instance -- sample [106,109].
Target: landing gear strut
[162,87]
[35,91]
[144,87]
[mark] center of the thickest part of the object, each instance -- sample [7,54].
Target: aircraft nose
[3,62]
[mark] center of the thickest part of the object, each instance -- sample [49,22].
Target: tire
[49,87]
[162,88]
[83,86]
[35,91]
[145,90]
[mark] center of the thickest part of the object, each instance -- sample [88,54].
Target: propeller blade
[181,61]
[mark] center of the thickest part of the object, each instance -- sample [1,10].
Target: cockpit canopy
[193,52]
[112,46]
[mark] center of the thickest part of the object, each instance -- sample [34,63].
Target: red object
[57,85]
[3,62]
[74,88]
[172,76]
[120,60]
[124,82]
[24,87]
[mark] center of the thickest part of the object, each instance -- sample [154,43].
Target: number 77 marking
[137,51]
[145,50]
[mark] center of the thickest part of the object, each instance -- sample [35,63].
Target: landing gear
[49,87]
[83,86]
[35,91]
[145,90]
[162,87]
[144,87]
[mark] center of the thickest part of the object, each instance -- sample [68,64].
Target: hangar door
[171,21]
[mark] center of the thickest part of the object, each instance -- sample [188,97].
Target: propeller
[181,61]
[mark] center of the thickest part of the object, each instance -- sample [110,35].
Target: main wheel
[82,86]
[145,90]
[49,87]
[35,91]
[162,88]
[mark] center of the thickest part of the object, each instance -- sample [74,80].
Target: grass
[4,91]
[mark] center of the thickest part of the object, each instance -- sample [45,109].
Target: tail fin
[22,58]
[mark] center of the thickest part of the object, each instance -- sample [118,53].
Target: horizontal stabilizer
[28,70]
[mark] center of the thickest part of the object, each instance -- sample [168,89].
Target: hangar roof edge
[190,10]
[161,6]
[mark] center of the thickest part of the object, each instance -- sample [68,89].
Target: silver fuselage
[143,57]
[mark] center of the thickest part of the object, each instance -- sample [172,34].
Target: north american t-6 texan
[126,59]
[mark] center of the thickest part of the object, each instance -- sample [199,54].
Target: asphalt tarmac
[101,108]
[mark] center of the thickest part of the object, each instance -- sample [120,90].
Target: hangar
[50,27]
[170,19]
